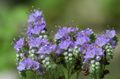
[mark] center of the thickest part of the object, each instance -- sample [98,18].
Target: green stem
[77,75]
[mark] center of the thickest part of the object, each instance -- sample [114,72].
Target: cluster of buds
[46,62]
[109,51]
[95,69]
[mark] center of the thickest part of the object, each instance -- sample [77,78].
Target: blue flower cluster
[69,46]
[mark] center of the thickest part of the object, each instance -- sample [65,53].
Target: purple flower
[19,44]
[86,32]
[28,64]
[80,40]
[36,42]
[110,33]
[46,49]
[36,23]
[63,32]
[101,40]
[65,44]
[91,51]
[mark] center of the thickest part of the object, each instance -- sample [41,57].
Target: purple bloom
[81,40]
[92,51]
[110,33]
[36,23]
[19,44]
[63,32]
[65,44]
[101,40]
[86,32]
[36,42]
[28,64]
[47,49]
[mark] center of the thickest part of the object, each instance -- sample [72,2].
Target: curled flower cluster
[75,49]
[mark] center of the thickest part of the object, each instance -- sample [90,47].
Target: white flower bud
[47,58]
[31,55]
[70,50]
[45,36]
[92,61]
[43,31]
[108,50]
[47,63]
[65,53]
[70,54]
[76,47]
[42,56]
[97,63]
[43,61]
[77,51]
[97,67]
[70,58]
[66,57]
[98,58]
[17,55]
[93,65]
[40,36]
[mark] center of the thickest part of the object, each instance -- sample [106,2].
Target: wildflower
[28,64]
[47,49]
[63,32]
[19,44]
[36,23]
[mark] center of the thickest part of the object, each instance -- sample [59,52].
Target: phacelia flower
[47,49]
[65,44]
[63,32]
[36,42]
[28,64]
[110,33]
[101,40]
[36,23]
[19,44]
[80,40]
[91,51]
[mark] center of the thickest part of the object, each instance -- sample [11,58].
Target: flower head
[19,44]
[47,49]
[64,32]
[36,23]
[28,64]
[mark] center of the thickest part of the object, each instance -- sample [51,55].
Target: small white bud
[17,55]
[43,61]
[65,53]
[42,56]
[93,65]
[47,58]
[70,59]
[97,67]
[40,36]
[31,54]
[97,63]
[47,63]
[92,61]
[70,54]
[43,31]
[45,36]
[70,50]
[77,51]
[66,57]
[76,47]
[108,50]
[98,58]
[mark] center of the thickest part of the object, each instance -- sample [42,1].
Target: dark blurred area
[96,14]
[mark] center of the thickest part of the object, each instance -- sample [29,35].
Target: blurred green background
[96,14]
